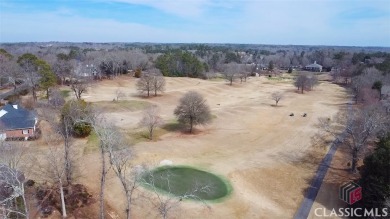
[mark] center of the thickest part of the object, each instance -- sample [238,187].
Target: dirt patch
[76,196]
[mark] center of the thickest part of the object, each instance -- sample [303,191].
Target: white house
[314,67]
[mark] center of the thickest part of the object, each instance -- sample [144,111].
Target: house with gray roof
[314,67]
[17,123]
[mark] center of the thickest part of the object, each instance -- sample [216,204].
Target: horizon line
[223,43]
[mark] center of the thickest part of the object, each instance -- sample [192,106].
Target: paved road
[310,196]
[12,92]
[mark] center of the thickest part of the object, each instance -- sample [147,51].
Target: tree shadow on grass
[173,127]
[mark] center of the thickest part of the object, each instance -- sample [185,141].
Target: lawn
[92,143]
[180,181]
[122,105]
[65,93]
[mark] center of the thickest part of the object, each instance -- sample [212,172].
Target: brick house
[17,123]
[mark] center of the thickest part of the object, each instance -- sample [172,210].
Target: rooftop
[16,117]
[314,65]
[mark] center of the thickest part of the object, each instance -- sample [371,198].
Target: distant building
[261,67]
[314,67]
[17,123]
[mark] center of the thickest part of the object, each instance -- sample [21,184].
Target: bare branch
[193,110]
[277,96]
[151,120]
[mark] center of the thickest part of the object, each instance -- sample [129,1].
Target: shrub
[23,92]
[29,104]
[75,111]
[82,129]
[138,73]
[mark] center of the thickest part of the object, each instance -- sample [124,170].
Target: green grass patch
[138,136]
[217,79]
[142,136]
[65,93]
[92,143]
[280,79]
[294,73]
[275,78]
[181,180]
[121,105]
[172,126]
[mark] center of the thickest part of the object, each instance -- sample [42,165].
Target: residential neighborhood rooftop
[16,117]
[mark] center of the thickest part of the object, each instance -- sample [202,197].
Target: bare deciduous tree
[56,99]
[145,84]
[108,136]
[50,167]
[245,72]
[11,70]
[63,128]
[356,86]
[151,120]
[305,82]
[158,82]
[356,129]
[11,153]
[277,96]
[301,82]
[231,71]
[12,187]
[60,168]
[31,76]
[113,145]
[120,159]
[151,81]
[119,94]
[12,181]
[79,86]
[361,83]
[193,110]
[243,76]
[312,82]
[63,69]
[56,170]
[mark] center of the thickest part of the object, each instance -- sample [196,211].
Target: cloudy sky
[300,22]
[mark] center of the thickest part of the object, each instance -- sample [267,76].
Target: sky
[286,22]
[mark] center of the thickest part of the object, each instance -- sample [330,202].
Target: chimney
[15,106]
